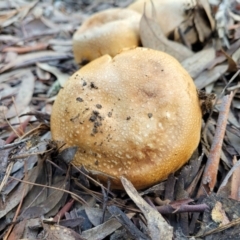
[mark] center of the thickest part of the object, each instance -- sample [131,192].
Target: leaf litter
[42,197]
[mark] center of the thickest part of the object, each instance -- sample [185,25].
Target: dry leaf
[167,11]
[201,24]
[61,77]
[103,230]
[198,62]
[32,58]
[15,197]
[17,231]
[235,184]
[57,232]
[152,37]
[209,76]
[95,215]
[24,95]
[206,6]
[157,225]
[234,140]
[127,224]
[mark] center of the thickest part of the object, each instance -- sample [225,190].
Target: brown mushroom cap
[106,32]
[135,115]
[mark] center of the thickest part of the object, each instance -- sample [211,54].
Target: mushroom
[106,32]
[135,115]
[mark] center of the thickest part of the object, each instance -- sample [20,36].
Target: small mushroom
[148,124]
[106,32]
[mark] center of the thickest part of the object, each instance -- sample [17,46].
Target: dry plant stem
[35,130]
[6,176]
[26,49]
[99,197]
[19,131]
[221,228]
[211,169]
[11,145]
[149,201]
[191,188]
[30,154]
[41,185]
[93,180]
[62,212]
[168,209]
[96,195]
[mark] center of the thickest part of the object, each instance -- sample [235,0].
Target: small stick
[168,209]
[65,209]
[26,49]
[211,169]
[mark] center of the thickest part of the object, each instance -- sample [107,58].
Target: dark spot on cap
[150,115]
[109,114]
[74,118]
[93,118]
[99,106]
[92,85]
[96,163]
[128,118]
[79,99]
[96,113]
[97,124]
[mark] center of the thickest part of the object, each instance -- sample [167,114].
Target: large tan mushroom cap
[135,115]
[106,32]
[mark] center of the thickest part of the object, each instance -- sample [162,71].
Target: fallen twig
[168,209]
[211,169]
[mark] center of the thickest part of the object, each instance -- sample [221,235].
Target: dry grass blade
[157,225]
[210,173]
